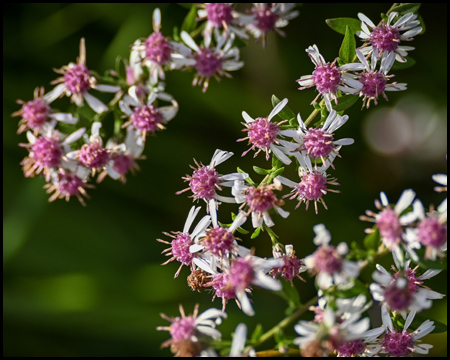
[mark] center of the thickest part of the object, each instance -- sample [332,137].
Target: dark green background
[88,281]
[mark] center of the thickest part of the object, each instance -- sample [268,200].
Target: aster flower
[390,223]
[47,152]
[181,242]
[321,339]
[259,200]
[329,79]
[209,62]
[292,267]
[386,38]
[205,180]
[154,52]
[404,290]
[123,156]
[431,231]
[397,343]
[375,82]
[269,17]
[35,113]
[238,275]
[77,80]
[147,118]
[262,133]
[191,334]
[318,143]
[313,183]
[221,16]
[328,262]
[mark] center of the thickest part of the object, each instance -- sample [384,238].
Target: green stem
[314,113]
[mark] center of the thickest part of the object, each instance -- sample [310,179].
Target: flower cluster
[139,106]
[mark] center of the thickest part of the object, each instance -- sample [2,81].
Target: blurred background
[88,281]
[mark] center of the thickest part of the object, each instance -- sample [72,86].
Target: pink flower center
[290,269]
[260,199]
[313,186]
[398,344]
[327,259]
[262,133]
[389,225]
[157,48]
[318,143]
[373,82]
[146,118]
[47,152]
[180,248]
[182,328]
[432,233]
[385,38]
[203,183]
[397,297]
[219,241]
[93,156]
[265,18]
[222,287]
[219,13]
[241,273]
[76,79]
[123,163]
[351,348]
[69,184]
[326,78]
[207,62]
[35,112]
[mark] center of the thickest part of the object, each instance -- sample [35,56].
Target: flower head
[192,333]
[386,38]
[328,78]
[292,267]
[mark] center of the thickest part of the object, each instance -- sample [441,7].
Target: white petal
[189,41]
[277,108]
[107,88]
[95,103]
[247,117]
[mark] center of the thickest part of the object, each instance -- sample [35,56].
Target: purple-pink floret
[398,344]
[373,82]
[157,48]
[260,199]
[265,17]
[326,259]
[47,152]
[219,241]
[262,133]
[207,62]
[146,118]
[76,79]
[180,249]
[35,112]
[221,286]
[219,13]
[432,233]
[385,38]
[318,143]
[290,269]
[203,183]
[351,348]
[241,273]
[312,186]
[69,184]
[93,155]
[389,225]
[123,163]
[326,77]
[182,328]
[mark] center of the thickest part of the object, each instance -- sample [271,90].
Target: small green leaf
[422,23]
[276,163]
[340,24]
[405,8]
[345,102]
[286,113]
[257,333]
[189,22]
[248,179]
[242,231]
[275,174]
[400,66]
[261,171]
[372,241]
[348,48]
[255,233]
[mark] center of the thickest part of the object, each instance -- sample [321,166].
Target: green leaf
[242,231]
[189,22]
[419,319]
[291,293]
[286,113]
[255,233]
[275,174]
[257,333]
[261,171]
[348,48]
[345,102]
[422,23]
[247,180]
[340,24]
[400,66]
[405,8]
[276,163]
[372,241]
